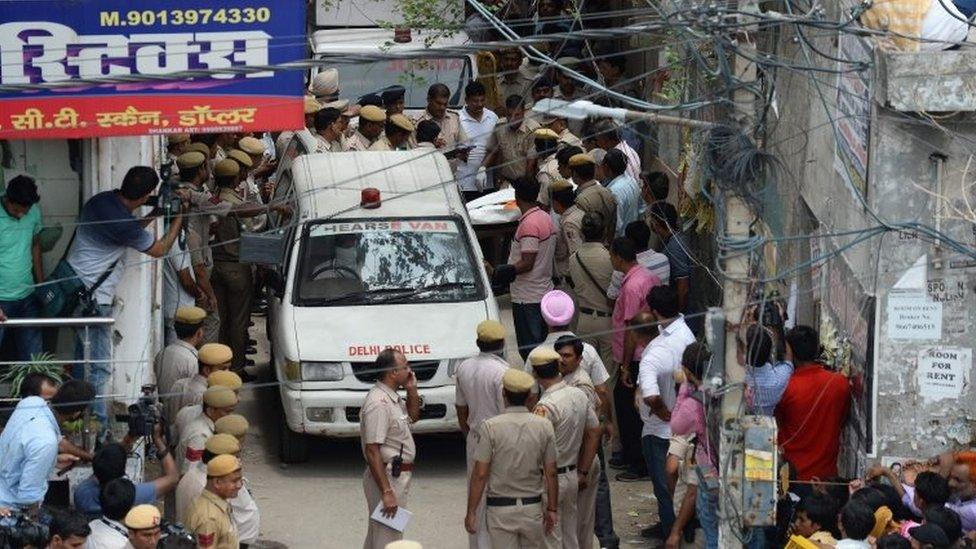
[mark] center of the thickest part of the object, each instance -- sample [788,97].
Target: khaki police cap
[545,133]
[214,354]
[223,465]
[402,122]
[189,315]
[581,159]
[242,157]
[142,517]
[232,424]
[517,381]
[251,145]
[200,148]
[224,378]
[177,138]
[560,185]
[312,105]
[226,167]
[339,105]
[490,330]
[543,355]
[372,113]
[221,444]
[190,159]
[219,397]
[403,544]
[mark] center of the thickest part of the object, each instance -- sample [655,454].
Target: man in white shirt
[108,531]
[179,286]
[665,335]
[478,124]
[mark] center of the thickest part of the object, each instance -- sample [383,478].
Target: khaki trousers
[378,535]
[234,285]
[586,508]
[516,527]
[564,534]
[480,540]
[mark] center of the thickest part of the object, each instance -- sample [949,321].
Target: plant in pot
[12,377]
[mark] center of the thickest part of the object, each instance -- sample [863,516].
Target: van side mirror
[263,248]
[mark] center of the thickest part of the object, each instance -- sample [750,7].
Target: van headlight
[322,371]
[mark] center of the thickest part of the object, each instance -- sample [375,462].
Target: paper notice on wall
[943,372]
[913,315]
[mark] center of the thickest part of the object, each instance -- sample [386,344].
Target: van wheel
[292,446]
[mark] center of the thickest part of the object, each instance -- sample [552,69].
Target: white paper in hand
[399,520]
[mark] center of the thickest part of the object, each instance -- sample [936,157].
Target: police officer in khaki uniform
[438,98]
[372,120]
[591,196]
[570,349]
[209,517]
[388,445]
[515,461]
[511,143]
[396,137]
[217,402]
[577,437]
[591,271]
[179,359]
[195,479]
[223,378]
[142,523]
[547,166]
[478,397]
[569,238]
[211,357]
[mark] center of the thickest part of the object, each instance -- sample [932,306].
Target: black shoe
[630,476]
[249,362]
[250,351]
[252,342]
[653,532]
[617,462]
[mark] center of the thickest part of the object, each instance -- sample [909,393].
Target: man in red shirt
[813,409]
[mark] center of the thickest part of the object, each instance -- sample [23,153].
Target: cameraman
[106,229]
[68,529]
[29,444]
[109,464]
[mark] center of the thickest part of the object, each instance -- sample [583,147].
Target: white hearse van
[378,252]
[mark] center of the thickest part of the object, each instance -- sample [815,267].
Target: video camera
[167,200]
[176,536]
[18,530]
[143,417]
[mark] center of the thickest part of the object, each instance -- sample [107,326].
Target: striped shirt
[655,262]
[765,386]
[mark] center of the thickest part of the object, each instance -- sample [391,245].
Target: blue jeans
[656,454]
[28,340]
[706,506]
[530,327]
[100,352]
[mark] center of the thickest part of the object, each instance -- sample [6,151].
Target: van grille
[430,411]
[365,371]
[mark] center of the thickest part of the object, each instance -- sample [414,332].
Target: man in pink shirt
[529,268]
[637,282]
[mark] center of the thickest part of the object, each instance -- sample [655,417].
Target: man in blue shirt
[105,231]
[624,189]
[664,222]
[20,261]
[29,443]
[766,379]
[109,464]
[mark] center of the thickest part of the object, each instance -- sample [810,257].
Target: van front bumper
[335,413]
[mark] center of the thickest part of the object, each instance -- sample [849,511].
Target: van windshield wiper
[385,295]
[407,293]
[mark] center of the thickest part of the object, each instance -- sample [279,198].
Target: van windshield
[379,261]
[416,75]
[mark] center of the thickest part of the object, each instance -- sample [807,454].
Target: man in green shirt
[20,261]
